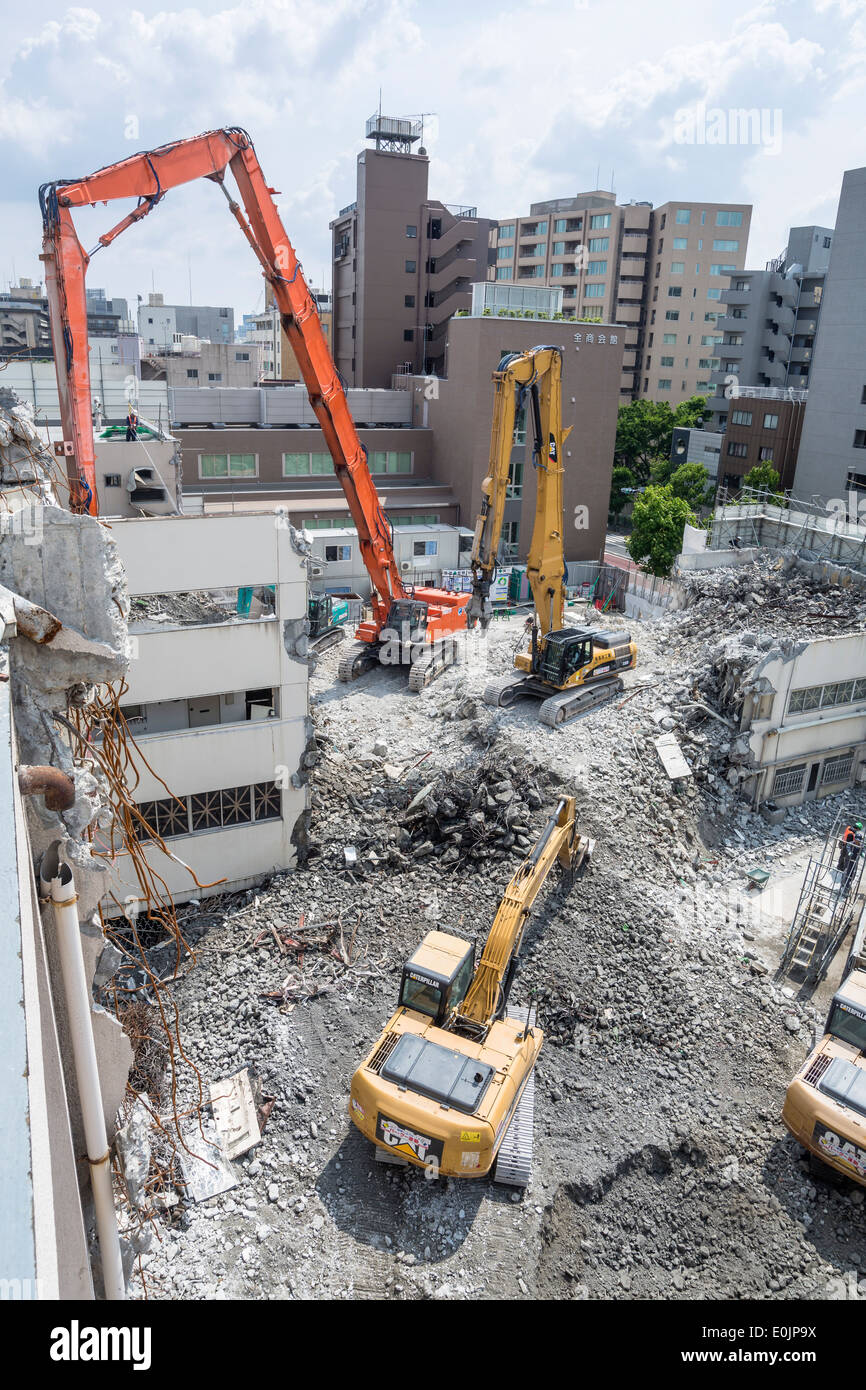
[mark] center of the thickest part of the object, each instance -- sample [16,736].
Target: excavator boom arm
[558,841]
[537,376]
[148,176]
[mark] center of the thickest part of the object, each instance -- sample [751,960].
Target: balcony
[628,313]
[628,293]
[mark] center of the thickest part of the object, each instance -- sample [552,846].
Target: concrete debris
[133,1144]
[234,1113]
[671,754]
[662,1169]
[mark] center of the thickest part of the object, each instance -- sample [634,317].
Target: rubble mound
[772,595]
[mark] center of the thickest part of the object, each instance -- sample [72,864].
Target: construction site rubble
[662,1168]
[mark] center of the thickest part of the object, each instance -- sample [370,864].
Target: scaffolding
[830,901]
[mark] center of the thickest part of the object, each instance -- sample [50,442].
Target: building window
[390,461]
[596,268]
[112,479]
[789,780]
[599,221]
[557,269]
[594,291]
[680,243]
[729,219]
[242,357]
[766,455]
[503,272]
[511,536]
[668,338]
[410,267]
[722,245]
[741,417]
[227,465]
[411,231]
[737,451]
[266,801]
[770,422]
[664,361]
[714,294]
[504,253]
[678,267]
[214,376]
[336,553]
[675,292]
[684,216]
[192,373]
[838,769]
[826,696]
[860,439]
[506,233]
[672,315]
[409,301]
[422,548]
[515,479]
[722,269]
[408,335]
[664,383]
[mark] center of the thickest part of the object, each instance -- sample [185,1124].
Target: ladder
[825,909]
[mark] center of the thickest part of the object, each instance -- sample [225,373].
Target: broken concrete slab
[234,1112]
[672,757]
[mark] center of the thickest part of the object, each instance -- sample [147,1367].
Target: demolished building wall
[238,787]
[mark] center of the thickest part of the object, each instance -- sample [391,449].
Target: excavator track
[568,704]
[513,1163]
[432,665]
[505,691]
[327,639]
[356,661]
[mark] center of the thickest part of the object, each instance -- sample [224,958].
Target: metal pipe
[55,785]
[57,883]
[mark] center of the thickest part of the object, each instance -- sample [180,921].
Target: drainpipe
[56,882]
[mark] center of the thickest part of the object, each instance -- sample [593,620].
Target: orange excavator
[413,627]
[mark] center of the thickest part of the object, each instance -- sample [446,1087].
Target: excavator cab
[564,652]
[437,976]
[407,619]
[320,608]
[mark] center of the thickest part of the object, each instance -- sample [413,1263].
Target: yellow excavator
[449,1084]
[569,669]
[825,1104]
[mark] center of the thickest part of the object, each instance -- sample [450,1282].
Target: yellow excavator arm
[533,378]
[488,992]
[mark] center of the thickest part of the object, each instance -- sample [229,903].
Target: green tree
[658,521]
[690,482]
[643,433]
[621,485]
[689,414]
[763,478]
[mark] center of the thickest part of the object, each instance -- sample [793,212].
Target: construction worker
[131,425]
[845,847]
[855,845]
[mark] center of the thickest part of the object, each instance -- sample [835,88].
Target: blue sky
[529,101]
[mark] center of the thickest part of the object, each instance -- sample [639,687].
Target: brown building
[460,416]
[764,426]
[403,263]
[658,272]
[243,468]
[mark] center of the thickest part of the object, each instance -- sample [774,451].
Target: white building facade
[219,709]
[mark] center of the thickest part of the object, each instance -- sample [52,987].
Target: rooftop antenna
[612,185]
[597,174]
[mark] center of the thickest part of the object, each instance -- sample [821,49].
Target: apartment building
[770,319]
[403,262]
[762,425]
[106,317]
[832,456]
[656,272]
[158,322]
[191,362]
[25,330]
